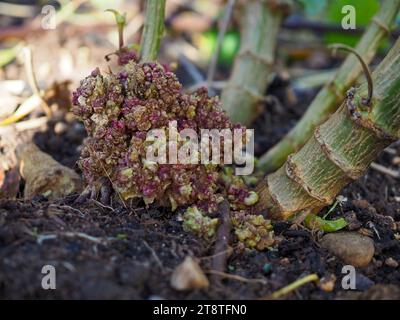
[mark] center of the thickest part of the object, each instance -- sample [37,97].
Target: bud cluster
[119,109]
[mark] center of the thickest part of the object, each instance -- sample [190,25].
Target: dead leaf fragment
[188,276]
[45,176]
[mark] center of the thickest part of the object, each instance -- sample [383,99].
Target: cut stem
[340,150]
[153,30]
[330,96]
[252,68]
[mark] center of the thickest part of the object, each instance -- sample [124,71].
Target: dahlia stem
[341,149]
[252,68]
[330,96]
[153,30]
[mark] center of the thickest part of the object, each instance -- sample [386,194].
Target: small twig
[227,251]
[390,172]
[371,225]
[153,253]
[293,286]
[102,205]
[221,33]
[68,207]
[45,237]
[222,239]
[331,209]
[30,73]
[364,65]
[236,277]
[84,236]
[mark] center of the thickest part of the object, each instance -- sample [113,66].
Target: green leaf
[314,222]
[119,18]
[229,47]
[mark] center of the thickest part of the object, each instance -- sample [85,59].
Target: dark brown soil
[102,252]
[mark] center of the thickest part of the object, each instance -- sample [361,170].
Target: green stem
[153,30]
[330,96]
[120,19]
[252,68]
[340,150]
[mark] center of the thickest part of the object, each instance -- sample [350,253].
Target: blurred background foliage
[191,27]
[330,12]
[365,10]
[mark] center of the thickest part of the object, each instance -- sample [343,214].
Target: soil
[102,252]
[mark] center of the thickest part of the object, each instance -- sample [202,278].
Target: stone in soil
[351,247]
[363,282]
[390,262]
